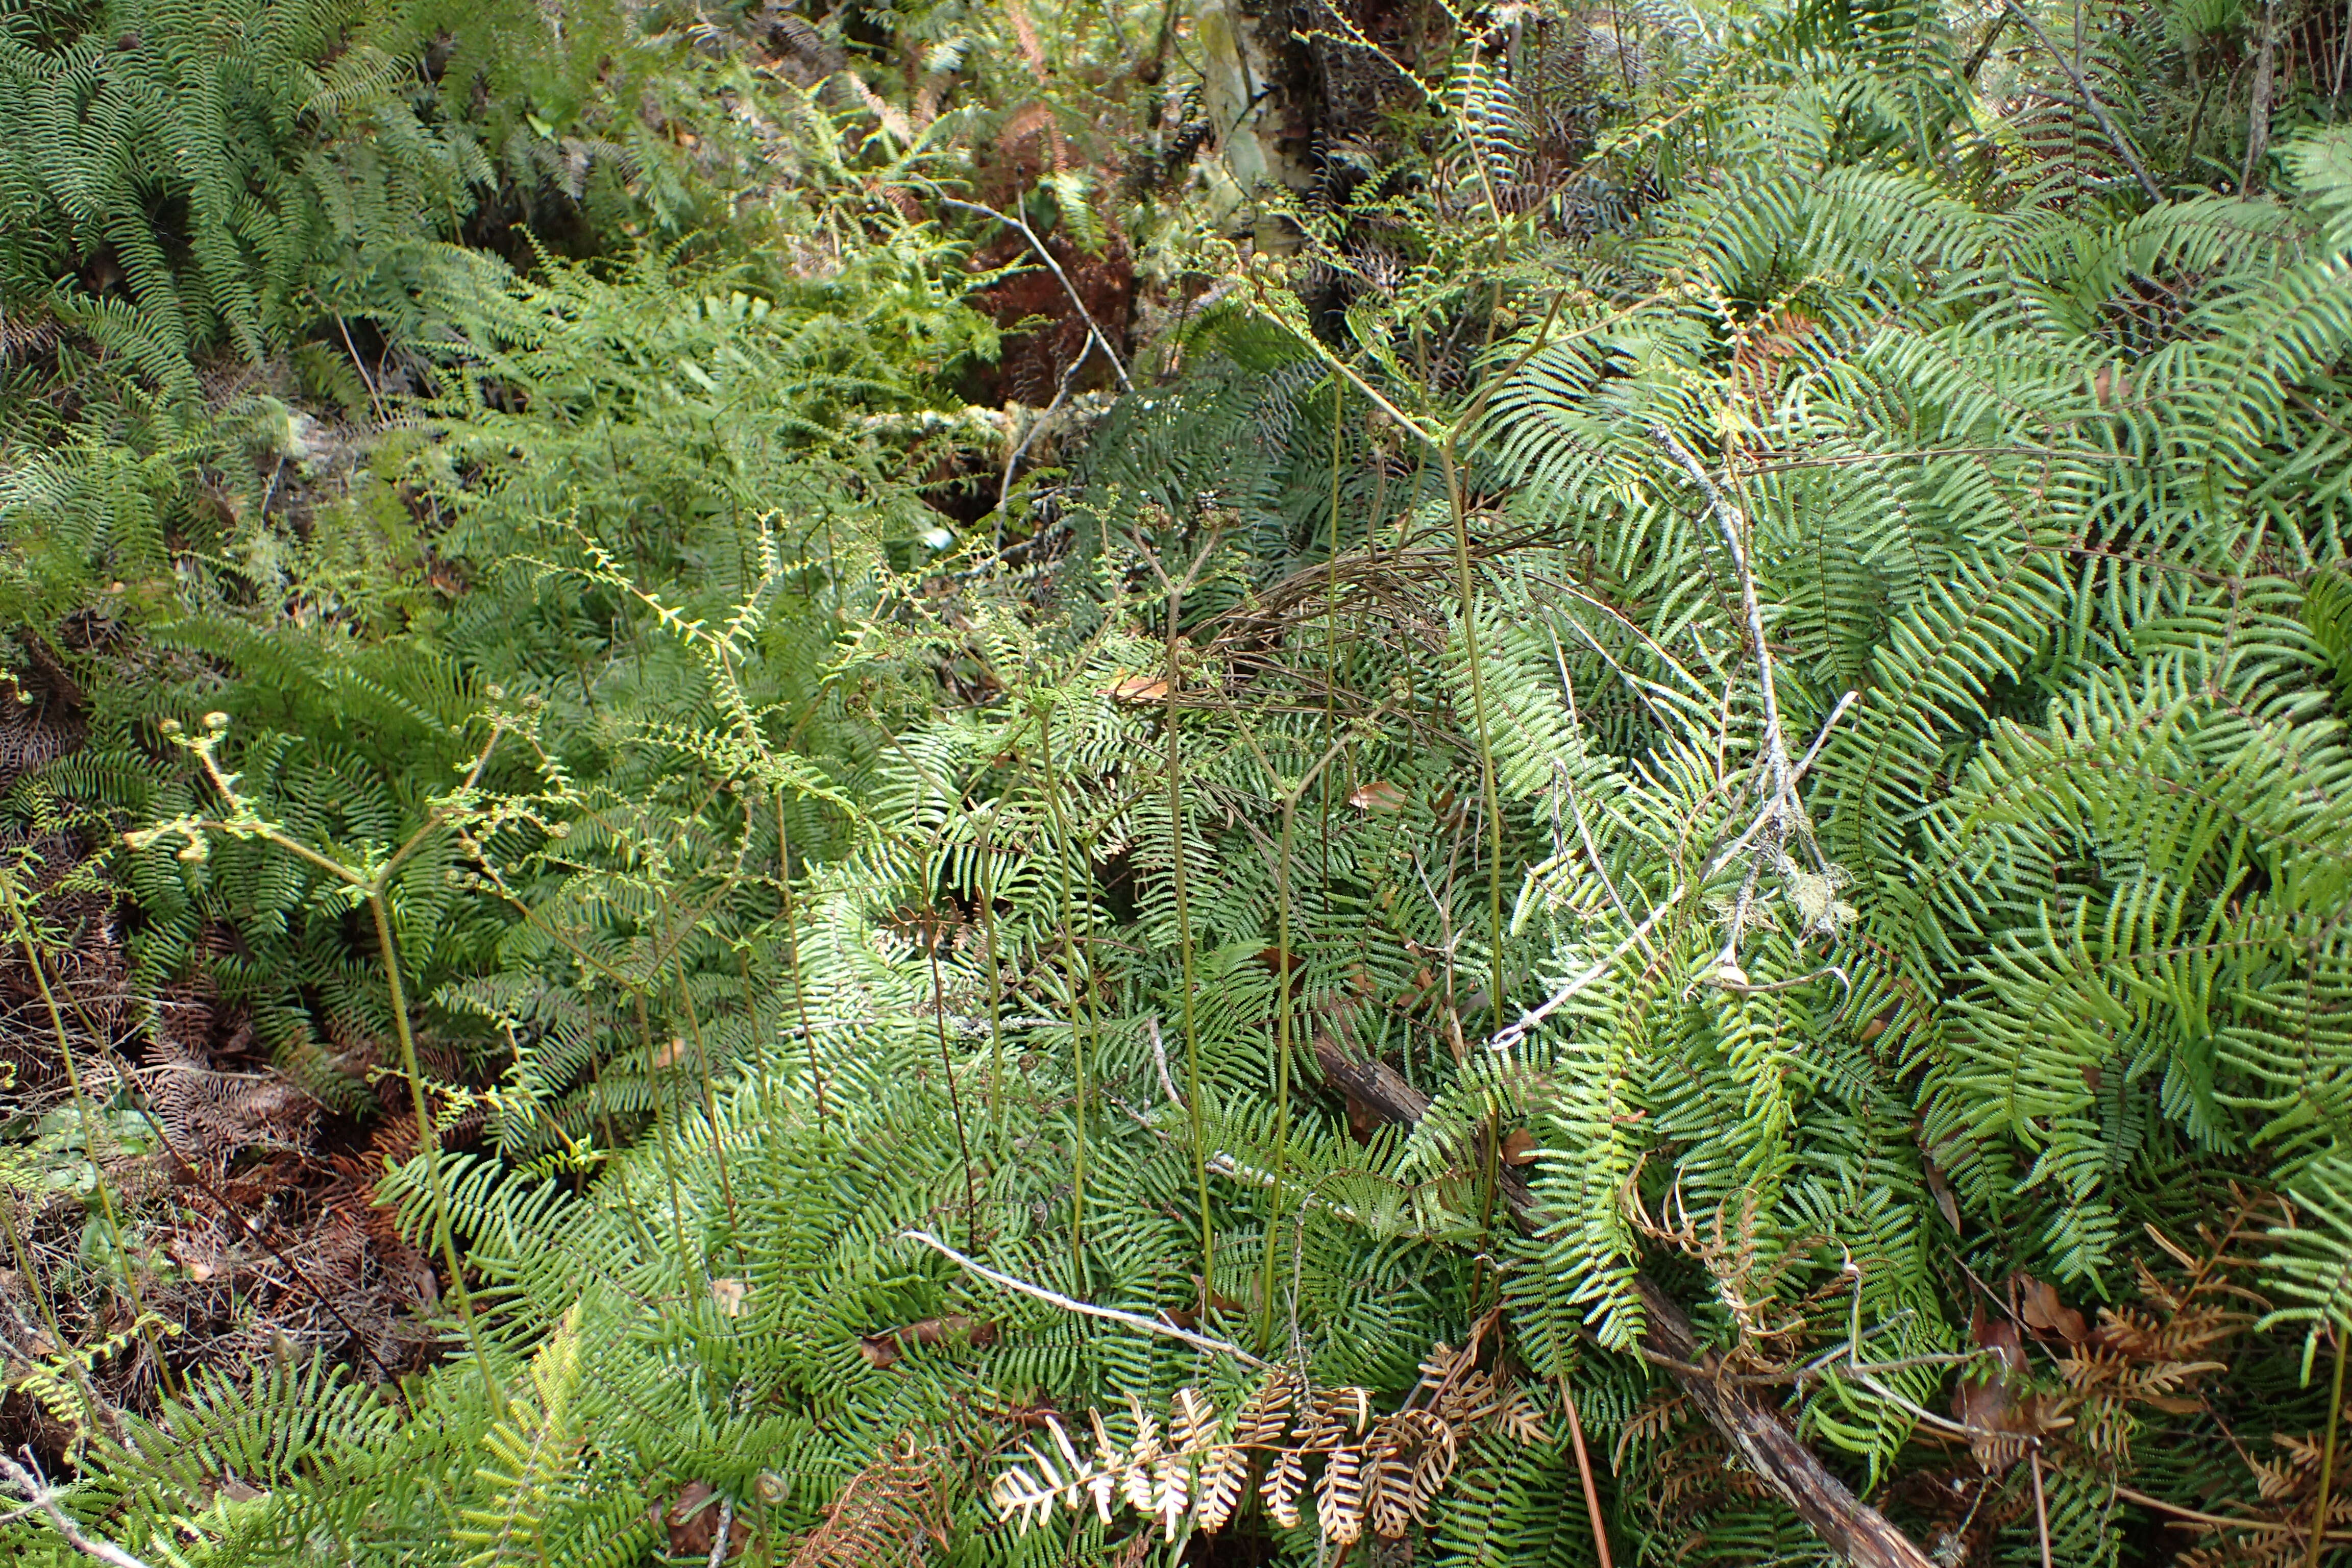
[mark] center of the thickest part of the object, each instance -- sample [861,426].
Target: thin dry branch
[1013,221]
[1507,1038]
[1782,818]
[2091,101]
[1084,1309]
[39,1495]
[1850,1527]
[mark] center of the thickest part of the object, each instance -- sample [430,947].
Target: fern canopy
[916,861]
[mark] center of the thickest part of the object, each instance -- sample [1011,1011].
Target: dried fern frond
[1381,1469]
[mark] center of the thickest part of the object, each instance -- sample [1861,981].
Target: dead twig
[726,1527]
[2091,101]
[1505,1038]
[40,1495]
[1084,1309]
[1781,820]
[1013,221]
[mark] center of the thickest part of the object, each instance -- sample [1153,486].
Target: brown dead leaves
[692,1520]
[955,1330]
[2153,1357]
[1136,689]
[892,1514]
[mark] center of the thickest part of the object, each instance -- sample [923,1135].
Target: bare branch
[1505,1038]
[1012,220]
[2091,101]
[29,1486]
[1084,1309]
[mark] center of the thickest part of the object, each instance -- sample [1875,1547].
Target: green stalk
[987,891]
[428,1144]
[2327,1454]
[709,1091]
[1331,647]
[16,1249]
[1080,986]
[1184,948]
[41,1299]
[89,1129]
[792,949]
[1281,1027]
[1459,506]
[686,1269]
[955,1097]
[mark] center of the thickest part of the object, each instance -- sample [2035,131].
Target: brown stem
[2041,1504]
[2091,101]
[1584,1475]
[1850,1527]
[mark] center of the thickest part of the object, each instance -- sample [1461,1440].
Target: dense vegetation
[999,784]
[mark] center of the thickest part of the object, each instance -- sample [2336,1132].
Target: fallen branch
[1852,1528]
[1084,1309]
[44,1498]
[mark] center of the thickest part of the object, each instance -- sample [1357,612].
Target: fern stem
[1332,647]
[685,1270]
[986,892]
[2041,1503]
[2328,1453]
[221,1201]
[955,1096]
[709,1092]
[793,950]
[24,1256]
[1284,962]
[1174,683]
[1584,1473]
[428,1145]
[1458,504]
[1081,988]
[107,1211]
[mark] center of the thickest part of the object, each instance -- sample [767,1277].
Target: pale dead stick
[38,1496]
[1011,220]
[1084,1309]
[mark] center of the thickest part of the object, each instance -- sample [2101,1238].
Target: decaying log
[1852,1528]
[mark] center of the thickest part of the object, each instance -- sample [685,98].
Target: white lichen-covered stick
[41,1497]
[1084,1309]
[1782,817]
[1513,1034]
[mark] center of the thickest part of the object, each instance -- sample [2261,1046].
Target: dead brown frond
[892,1514]
[1358,1468]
